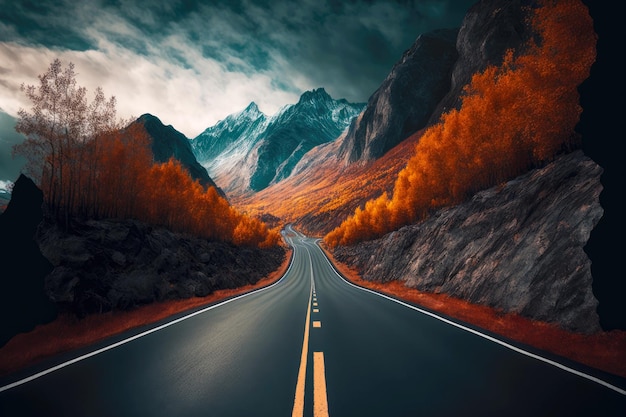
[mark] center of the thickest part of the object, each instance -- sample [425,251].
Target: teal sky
[191,63]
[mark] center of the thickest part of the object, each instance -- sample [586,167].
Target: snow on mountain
[247,151]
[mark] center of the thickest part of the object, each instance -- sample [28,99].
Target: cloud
[192,63]
[191,99]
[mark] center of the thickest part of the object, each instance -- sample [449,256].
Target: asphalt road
[313,345]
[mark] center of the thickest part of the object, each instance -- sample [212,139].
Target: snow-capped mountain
[249,151]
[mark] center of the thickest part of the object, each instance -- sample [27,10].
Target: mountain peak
[319,94]
[252,111]
[151,121]
[148,117]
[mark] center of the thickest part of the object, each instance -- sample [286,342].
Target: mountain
[248,151]
[235,129]
[326,185]
[168,142]
[226,149]
[402,105]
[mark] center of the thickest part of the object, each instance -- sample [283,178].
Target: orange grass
[68,333]
[604,350]
[331,191]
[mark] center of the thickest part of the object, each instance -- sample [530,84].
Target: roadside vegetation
[513,118]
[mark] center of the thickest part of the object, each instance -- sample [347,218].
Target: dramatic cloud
[192,63]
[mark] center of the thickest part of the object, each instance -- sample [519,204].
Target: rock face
[23,302]
[118,264]
[518,248]
[406,99]
[489,28]
[248,151]
[168,142]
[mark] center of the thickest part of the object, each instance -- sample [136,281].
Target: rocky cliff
[117,264]
[407,97]
[489,28]
[517,247]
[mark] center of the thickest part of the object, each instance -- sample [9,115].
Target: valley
[449,238]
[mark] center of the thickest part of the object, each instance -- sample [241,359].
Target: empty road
[310,345]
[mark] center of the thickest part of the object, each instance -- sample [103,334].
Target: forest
[513,118]
[91,165]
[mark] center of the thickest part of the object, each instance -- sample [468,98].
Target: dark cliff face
[168,142]
[489,29]
[404,102]
[119,264]
[23,303]
[518,247]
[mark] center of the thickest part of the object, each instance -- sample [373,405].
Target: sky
[191,63]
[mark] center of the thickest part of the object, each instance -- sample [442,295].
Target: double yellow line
[320,399]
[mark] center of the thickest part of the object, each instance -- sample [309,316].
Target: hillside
[322,190]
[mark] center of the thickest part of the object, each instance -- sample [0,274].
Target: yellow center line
[317,324]
[320,399]
[298,404]
[316,310]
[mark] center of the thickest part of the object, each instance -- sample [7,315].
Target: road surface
[310,345]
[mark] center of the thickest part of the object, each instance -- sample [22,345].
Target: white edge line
[137,336]
[490,338]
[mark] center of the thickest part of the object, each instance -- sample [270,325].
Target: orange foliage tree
[512,118]
[89,166]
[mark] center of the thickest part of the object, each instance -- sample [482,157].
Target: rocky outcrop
[118,264]
[404,102]
[489,28]
[517,247]
[23,302]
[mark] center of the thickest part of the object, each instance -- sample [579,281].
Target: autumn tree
[514,117]
[91,165]
[59,125]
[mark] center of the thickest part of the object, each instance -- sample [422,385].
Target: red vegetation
[87,166]
[605,350]
[68,333]
[513,117]
[317,199]
[131,185]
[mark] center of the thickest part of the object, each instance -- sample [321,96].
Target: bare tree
[62,132]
